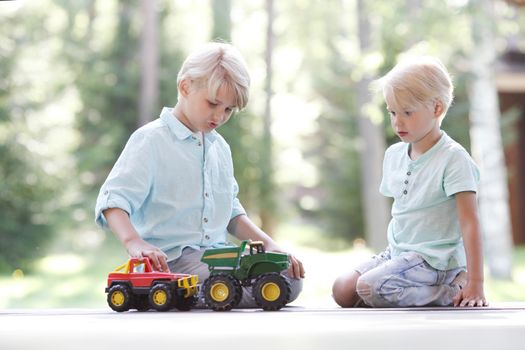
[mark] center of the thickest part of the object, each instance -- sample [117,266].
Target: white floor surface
[498,327]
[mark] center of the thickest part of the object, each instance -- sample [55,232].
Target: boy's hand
[296,269]
[472,295]
[243,228]
[138,248]
[120,224]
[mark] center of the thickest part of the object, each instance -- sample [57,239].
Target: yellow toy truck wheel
[119,297]
[160,297]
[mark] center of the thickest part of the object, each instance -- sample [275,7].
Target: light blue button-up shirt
[424,214]
[178,190]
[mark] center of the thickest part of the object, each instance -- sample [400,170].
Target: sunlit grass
[70,280]
[77,280]
[62,264]
[296,234]
[53,288]
[502,290]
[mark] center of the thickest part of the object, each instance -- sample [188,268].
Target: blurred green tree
[107,77]
[334,147]
[107,80]
[241,131]
[26,188]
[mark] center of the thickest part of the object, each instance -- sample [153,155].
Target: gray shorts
[190,262]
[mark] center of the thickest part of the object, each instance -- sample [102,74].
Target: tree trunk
[486,142]
[221,20]
[375,206]
[413,9]
[149,62]
[267,186]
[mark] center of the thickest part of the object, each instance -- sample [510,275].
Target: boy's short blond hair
[419,81]
[214,65]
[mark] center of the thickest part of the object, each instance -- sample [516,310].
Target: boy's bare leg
[344,290]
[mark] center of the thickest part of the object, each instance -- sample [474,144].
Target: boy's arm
[243,228]
[120,224]
[472,294]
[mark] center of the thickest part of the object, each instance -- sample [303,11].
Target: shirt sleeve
[130,181]
[383,187]
[237,208]
[461,174]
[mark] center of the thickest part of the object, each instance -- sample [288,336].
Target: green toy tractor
[232,268]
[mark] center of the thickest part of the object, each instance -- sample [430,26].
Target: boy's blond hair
[419,81]
[215,65]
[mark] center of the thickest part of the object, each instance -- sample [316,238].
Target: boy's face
[200,113]
[413,124]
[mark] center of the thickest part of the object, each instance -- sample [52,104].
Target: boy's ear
[184,87]
[438,108]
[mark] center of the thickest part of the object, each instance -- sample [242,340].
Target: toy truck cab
[232,268]
[134,285]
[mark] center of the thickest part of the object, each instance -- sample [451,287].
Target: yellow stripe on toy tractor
[223,256]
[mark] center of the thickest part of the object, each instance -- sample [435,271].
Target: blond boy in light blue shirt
[172,192]
[434,235]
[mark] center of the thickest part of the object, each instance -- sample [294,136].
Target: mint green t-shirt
[424,216]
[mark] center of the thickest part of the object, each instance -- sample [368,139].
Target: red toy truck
[134,285]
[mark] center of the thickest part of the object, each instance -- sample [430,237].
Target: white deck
[498,327]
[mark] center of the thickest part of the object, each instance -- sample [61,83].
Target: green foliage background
[69,89]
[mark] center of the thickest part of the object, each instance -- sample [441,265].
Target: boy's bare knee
[343,292]
[338,292]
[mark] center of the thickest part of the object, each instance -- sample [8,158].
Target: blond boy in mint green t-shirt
[424,216]
[434,236]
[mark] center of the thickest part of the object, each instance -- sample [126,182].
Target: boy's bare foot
[460,280]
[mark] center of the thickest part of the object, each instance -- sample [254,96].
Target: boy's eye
[212,103]
[408,113]
[392,113]
[229,110]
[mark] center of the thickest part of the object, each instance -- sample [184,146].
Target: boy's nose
[394,121]
[220,116]
[217,117]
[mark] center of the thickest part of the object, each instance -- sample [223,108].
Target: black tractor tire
[160,297]
[271,291]
[222,292]
[120,297]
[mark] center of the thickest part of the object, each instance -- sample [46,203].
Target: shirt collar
[180,130]
[429,152]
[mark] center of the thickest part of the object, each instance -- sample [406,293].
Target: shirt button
[205,219]
[207,237]
[106,192]
[405,192]
[206,194]
[409,173]
[406,182]
[200,143]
